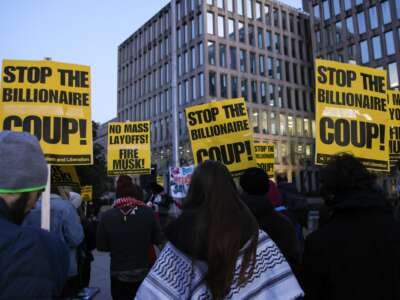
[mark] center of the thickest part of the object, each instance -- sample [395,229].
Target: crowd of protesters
[230,241]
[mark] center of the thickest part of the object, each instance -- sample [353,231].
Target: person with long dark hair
[216,250]
[127,231]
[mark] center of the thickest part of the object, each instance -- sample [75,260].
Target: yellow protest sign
[64,176]
[221,131]
[265,157]
[50,100]
[129,148]
[87,193]
[351,113]
[394,125]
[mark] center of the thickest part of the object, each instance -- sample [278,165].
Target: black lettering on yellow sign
[345,78]
[357,133]
[262,148]
[52,130]
[227,154]
[26,74]
[210,115]
[268,168]
[57,175]
[128,160]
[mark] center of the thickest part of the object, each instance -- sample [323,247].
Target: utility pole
[174,79]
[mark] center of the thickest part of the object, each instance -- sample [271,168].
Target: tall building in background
[365,32]
[256,49]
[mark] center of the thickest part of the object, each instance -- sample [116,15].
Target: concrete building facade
[256,49]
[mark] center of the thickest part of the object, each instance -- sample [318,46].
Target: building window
[295,74]
[212,84]
[273,123]
[289,97]
[234,87]
[194,88]
[285,45]
[259,11]
[307,131]
[376,45]
[327,11]
[243,89]
[350,25]
[241,30]
[210,23]
[232,64]
[230,5]
[390,50]
[336,7]
[364,52]
[284,20]
[253,63]
[243,67]
[201,53]
[201,84]
[231,29]
[254,121]
[361,23]
[210,2]
[270,67]
[290,126]
[267,14]
[263,92]
[211,53]
[386,13]
[268,40]
[200,24]
[277,43]
[250,9]
[338,27]
[251,35]
[220,4]
[261,65]
[299,126]
[264,122]
[373,17]
[193,57]
[254,91]
[280,94]
[224,85]
[240,7]
[347,4]
[282,124]
[222,55]
[316,12]
[278,69]
[271,92]
[260,38]
[393,75]
[221,26]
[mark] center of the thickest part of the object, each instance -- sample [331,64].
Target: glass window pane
[220,4]
[258,11]
[243,64]
[224,85]
[347,4]
[327,11]
[241,30]
[268,40]
[386,13]
[230,5]
[250,9]
[282,124]
[393,75]
[222,55]
[316,12]
[398,8]
[211,53]
[240,7]
[221,26]
[232,56]
[212,84]
[373,17]
[234,87]
[389,43]
[361,22]
[350,25]
[376,45]
[364,52]
[231,29]
[336,7]
[210,23]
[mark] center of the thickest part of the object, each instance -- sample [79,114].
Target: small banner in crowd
[64,176]
[265,157]
[51,100]
[160,180]
[394,114]
[221,131]
[129,148]
[352,113]
[87,193]
[180,180]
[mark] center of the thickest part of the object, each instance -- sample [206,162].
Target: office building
[256,49]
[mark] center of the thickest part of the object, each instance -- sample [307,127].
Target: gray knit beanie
[22,164]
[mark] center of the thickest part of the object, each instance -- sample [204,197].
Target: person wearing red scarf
[127,231]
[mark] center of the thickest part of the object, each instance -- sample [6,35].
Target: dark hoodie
[278,228]
[356,255]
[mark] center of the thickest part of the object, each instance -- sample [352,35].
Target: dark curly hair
[126,188]
[345,173]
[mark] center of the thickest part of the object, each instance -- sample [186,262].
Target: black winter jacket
[356,255]
[33,263]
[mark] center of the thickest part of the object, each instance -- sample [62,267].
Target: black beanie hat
[254,181]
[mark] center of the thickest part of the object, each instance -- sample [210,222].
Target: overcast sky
[77,31]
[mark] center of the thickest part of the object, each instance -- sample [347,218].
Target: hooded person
[356,253]
[33,262]
[255,186]
[127,231]
[66,224]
